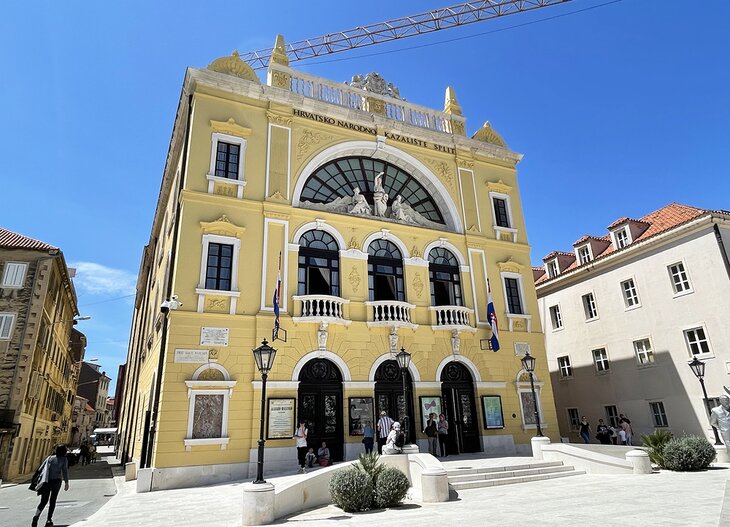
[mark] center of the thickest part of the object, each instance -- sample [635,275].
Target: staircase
[472,478]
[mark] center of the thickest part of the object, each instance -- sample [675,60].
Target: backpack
[400,439]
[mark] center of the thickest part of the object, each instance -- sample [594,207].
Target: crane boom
[409,26]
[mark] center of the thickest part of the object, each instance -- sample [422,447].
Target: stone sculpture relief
[380,197]
[373,82]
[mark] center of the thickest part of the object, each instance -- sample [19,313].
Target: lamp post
[264,356]
[528,362]
[698,368]
[404,360]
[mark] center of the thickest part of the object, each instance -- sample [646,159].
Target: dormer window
[622,238]
[584,254]
[552,268]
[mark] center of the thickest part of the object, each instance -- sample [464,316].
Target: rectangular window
[678,276]
[564,367]
[219,267]
[600,359]
[711,403]
[660,416]
[622,238]
[514,301]
[584,254]
[631,297]
[552,267]
[227,159]
[574,419]
[6,325]
[697,341]
[589,306]
[611,415]
[14,274]
[644,354]
[555,318]
[500,212]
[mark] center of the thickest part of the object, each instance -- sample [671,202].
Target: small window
[14,274]
[644,354]
[6,325]
[574,419]
[660,416]
[611,415]
[514,300]
[227,160]
[589,306]
[552,269]
[219,267]
[678,276]
[501,215]
[584,255]
[600,360]
[555,318]
[697,341]
[622,238]
[631,297]
[564,367]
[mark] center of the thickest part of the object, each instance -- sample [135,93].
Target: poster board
[430,404]
[280,421]
[492,411]
[362,410]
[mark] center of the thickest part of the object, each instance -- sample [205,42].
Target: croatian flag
[492,317]
[277,299]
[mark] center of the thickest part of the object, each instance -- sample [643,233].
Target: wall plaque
[214,336]
[281,418]
[191,356]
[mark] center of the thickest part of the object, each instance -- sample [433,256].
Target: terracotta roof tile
[13,240]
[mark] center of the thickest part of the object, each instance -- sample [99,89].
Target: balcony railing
[391,313]
[321,308]
[451,317]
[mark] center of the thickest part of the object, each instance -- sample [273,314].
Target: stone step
[504,468]
[481,476]
[510,481]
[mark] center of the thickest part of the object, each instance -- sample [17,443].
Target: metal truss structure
[436,20]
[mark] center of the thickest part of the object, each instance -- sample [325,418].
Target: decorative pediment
[487,135]
[234,66]
[230,127]
[223,227]
[510,266]
[498,186]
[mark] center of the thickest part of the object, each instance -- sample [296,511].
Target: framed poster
[361,412]
[492,409]
[429,405]
[280,419]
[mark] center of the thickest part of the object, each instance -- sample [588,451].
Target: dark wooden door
[459,405]
[320,405]
[389,396]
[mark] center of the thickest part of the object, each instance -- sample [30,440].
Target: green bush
[390,488]
[656,442]
[370,465]
[688,453]
[351,490]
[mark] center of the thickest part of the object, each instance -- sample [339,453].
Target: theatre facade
[381,224]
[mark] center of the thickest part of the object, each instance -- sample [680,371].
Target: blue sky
[619,110]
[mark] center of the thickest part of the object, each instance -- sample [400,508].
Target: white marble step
[512,480]
[481,476]
[504,468]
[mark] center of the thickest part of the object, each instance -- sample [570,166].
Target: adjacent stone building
[94,387]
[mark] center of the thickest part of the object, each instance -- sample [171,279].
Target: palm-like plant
[370,465]
[656,442]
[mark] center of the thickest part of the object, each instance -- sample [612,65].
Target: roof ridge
[15,240]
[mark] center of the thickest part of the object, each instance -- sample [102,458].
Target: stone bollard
[434,485]
[537,444]
[640,461]
[258,503]
[144,480]
[130,471]
[722,456]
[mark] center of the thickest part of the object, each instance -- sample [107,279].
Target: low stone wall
[595,460]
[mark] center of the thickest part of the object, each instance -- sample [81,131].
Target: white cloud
[98,279]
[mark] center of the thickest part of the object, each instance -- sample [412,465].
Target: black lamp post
[264,356]
[698,368]
[404,360]
[528,362]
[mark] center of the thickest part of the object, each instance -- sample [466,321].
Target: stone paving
[663,498]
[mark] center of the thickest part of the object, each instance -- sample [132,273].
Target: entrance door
[457,389]
[320,405]
[389,396]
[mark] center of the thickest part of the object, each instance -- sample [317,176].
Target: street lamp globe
[528,362]
[403,358]
[698,368]
[264,356]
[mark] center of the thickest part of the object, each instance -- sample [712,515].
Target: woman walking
[443,429]
[301,437]
[53,472]
[585,430]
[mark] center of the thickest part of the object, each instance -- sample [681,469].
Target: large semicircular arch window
[338,178]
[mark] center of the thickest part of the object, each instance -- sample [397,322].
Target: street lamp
[404,360]
[528,362]
[698,368]
[264,356]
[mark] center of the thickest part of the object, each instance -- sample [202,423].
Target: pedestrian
[385,424]
[625,424]
[431,432]
[323,455]
[53,471]
[84,452]
[614,434]
[443,429]
[585,430]
[311,458]
[621,436]
[603,433]
[92,453]
[368,437]
[391,442]
[301,437]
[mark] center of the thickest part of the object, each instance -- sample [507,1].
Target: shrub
[351,490]
[391,487]
[656,442]
[369,464]
[688,453]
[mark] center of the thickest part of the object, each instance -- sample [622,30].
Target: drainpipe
[723,251]
[154,418]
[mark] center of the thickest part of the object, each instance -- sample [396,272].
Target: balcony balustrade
[321,309]
[451,318]
[391,313]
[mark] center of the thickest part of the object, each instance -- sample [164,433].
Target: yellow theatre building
[385,223]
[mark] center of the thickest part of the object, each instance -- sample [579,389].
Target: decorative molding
[417,284]
[465,163]
[279,79]
[375,83]
[233,65]
[277,197]
[498,186]
[230,127]
[281,120]
[222,226]
[487,135]
[442,169]
[276,215]
[510,266]
[308,139]
[216,303]
[352,244]
[415,252]
[354,279]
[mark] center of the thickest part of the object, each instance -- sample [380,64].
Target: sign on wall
[191,356]
[361,413]
[214,336]
[492,410]
[429,405]
[280,418]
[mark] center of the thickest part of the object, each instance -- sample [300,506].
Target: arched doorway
[457,389]
[389,395]
[320,405]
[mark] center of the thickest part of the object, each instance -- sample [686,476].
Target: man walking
[384,425]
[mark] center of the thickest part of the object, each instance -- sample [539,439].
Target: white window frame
[558,317]
[607,360]
[589,253]
[565,370]
[197,387]
[625,240]
[552,268]
[689,288]
[7,323]
[694,328]
[627,299]
[497,229]
[593,303]
[648,354]
[14,275]
[240,182]
[573,423]
[663,414]
[234,293]
[511,317]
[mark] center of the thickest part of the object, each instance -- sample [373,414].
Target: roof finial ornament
[278,54]
[451,105]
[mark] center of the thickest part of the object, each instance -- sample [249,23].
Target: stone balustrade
[391,313]
[321,308]
[451,317]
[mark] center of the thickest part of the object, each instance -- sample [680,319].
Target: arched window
[443,270]
[385,271]
[319,264]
